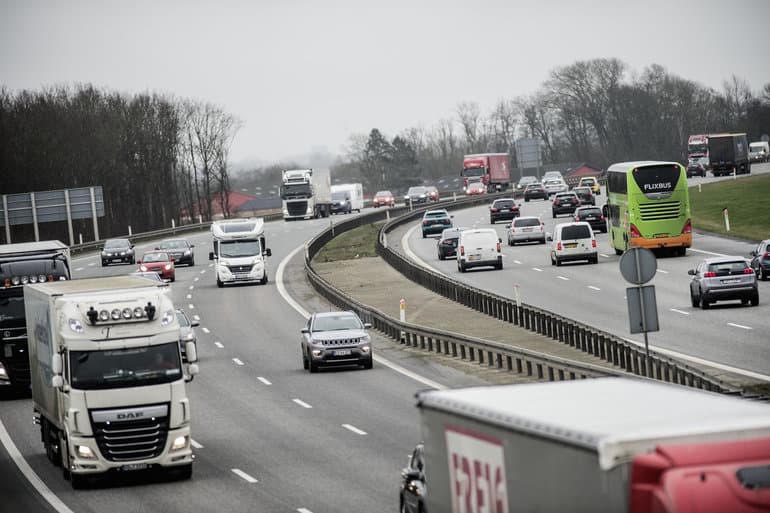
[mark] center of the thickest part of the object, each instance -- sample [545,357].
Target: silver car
[723,279]
[526,229]
[335,338]
[555,186]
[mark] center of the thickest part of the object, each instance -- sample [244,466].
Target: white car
[573,241]
[526,229]
[555,186]
[479,248]
[551,175]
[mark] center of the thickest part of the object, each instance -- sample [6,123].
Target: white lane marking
[189,296]
[264,381]
[240,473]
[206,330]
[741,326]
[537,269]
[237,361]
[302,403]
[303,510]
[211,265]
[354,429]
[593,288]
[195,279]
[679,311]
[517,262]
[563,278]
[219,345]
[195,444]
[603,255]
[410,253]
[92,264]
[304,313]
[191,306]
[192,287]
[79,269]
[196,317]
[30,474]
[707,252]
[203,271]
[662,271]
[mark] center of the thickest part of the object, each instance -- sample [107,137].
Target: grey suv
[721,279]
[335,338]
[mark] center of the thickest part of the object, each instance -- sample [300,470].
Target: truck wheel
[368,364]
[184,472]
[78,481]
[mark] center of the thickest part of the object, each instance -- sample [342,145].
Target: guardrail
[629,358]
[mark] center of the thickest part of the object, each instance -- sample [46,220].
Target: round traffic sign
[638,265]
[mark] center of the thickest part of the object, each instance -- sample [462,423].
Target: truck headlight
[167,318]
[3,373]
[85,452]
[180,442]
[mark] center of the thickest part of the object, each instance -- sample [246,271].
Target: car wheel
[526,200]
[558,262]
[104,263]
[440,256]
[219,283]
[173,278]
[704,305]
[694,300]
[192,262]
[755,300]
[460,267]
[312,366]
[511,242]
[423,235]
[368,363]
[763,275]
[554,215]
[263,281]
[499,265]
[618,251]
[304,362]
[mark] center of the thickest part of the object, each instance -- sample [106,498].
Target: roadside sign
[638,265]
[642,309]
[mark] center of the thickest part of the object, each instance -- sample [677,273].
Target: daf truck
[22,264]
[306,193]
[240,252]
[491,169]
[108,385]
[347,197]
[610,445]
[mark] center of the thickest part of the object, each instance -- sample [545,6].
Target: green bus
[648,206]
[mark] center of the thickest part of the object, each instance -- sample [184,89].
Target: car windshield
[336,322]
[339,196]
[579,231]
[119,368]
[296,190]
[238,248]
[155,257]
[116,244]
[537,187]
[526,221]
[173,244]
[434,214]
[12,307]
[726,268]
[587,181]
[383,195]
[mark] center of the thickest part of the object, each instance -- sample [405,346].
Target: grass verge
[745,200]
[357,243]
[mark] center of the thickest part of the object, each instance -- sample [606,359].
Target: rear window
[589,212]
[503,204]
[526,222]
[436,215]
[575,232]
[657,179]
[727,268]
[480,238]
[587,181]
[534,187]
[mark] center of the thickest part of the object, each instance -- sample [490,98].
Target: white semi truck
[306,193]
[600,445]
[240,251]
[108,384]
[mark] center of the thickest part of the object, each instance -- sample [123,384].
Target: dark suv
[503,209]
[118,250]
[592,216]
[535,191]
[761,261]
[564,203]
[179,250]
[722,279]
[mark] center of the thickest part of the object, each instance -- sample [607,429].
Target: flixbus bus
[648,206]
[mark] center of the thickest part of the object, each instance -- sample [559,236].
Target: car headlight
[85,452]
[104,253]
[143,268]
[167,267]
[180,442]
[187,253]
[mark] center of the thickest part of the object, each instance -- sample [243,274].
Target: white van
[759,151]
[479,247]
[347,197]
[573,241]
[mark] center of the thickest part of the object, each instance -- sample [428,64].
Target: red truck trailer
[491,169]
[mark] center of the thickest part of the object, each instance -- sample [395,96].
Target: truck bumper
[100,465]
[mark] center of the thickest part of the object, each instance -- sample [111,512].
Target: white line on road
[79,269]
[603,255]
[92,264]
[195,279]
[219,345]
[679,311]
[237,361]
[563,278]
[517,262]
[302,403]
[741,326]
[192,287]
[30,474]
[354,429]
[662,271]
[707,252]
[195,444]
[203,271]
[593,288]
[244,475]
[206,330]
[264,381]
[191,306]
[303,510]
[189,296]
[537,269]
[196,317]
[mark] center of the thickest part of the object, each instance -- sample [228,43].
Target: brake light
[462,250]
[709,274]
[748,271]
[687,227]
[577,218]
[593,243]
[766,255]
[494,210]
[602,218]
[499,249]
[425,223]
[635,232]
[558,246]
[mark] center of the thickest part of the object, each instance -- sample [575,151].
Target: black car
[411,496]
[585,195]
[447,243]
[592,216]
[417,194]
[503,209]
[535,191]
[565,203]
[179,250]
[118,250]
[695,169]
[761,261]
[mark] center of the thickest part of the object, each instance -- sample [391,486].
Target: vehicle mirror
[211,255]
[195,324]
[268,252]
[139,261]
[157,248]
[192,371]
[192,351]
[548,237]
[56,364]
[367,325]
[192,245]
[412,475]
[499,239]
[57,381]
[691,272]
[753,253]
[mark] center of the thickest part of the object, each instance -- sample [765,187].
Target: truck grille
[296,208]
[133,439]
[340,342]
[659,210]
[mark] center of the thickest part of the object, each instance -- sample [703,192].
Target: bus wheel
[618,251]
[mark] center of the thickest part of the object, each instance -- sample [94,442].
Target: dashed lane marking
[203,271]
[537,269]
[679,311]
[237,361]
[603,255]
[192,287]
[662,271]
[195,444]
[189,296]
[264,381]
[206,330]
[79,269]
[517,262]
[563,278]
[302,403]
[196,317]
[244,475]
[354,429]
[191,306]
[593,288]
[219,345]
[707,252]
[741,326]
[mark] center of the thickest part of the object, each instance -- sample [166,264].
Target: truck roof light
[25,279]
[138,312]
[127,313]
[33,279]
[42,278]
[104,315]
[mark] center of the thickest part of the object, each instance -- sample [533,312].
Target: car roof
[348,313]
[723,259]
[587,207]
[436,211]
[503,199]
[117,240]
[565,193]
[526,217]
[479,230]
[579,188]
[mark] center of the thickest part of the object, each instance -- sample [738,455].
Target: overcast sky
[305,75]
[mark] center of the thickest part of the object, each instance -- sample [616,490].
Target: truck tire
[184,472]
[78,481]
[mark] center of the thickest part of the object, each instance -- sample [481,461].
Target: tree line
[158,158]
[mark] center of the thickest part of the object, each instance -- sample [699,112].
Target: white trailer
[599,445]
[108,384]
[306,193]
[347,197]
[240,252]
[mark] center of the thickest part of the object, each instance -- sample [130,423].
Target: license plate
[342,352]
[504,210]
[732,280]
[134,466]
[661,235]
[473,257]
[527,229]
[571,245]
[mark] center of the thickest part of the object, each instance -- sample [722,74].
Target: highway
[728,334]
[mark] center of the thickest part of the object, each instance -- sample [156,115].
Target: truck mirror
[195,324]
[367,325]
[192,245]
[268,252]
[56,364]
[192,351]
[192,371]
[691,272]
[548,237]
[57,381]
[305,330]
[211,255]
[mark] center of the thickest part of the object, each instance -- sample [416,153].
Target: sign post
[727,219]
[638,266]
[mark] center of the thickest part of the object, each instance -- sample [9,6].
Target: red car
[159,262]
[433,194]
[383,199]
[475,188]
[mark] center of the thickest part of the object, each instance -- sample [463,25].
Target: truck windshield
[12,307]
[238,248]
[696,148]
[296,190]
[473,172]
[339,196]
[118,368]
